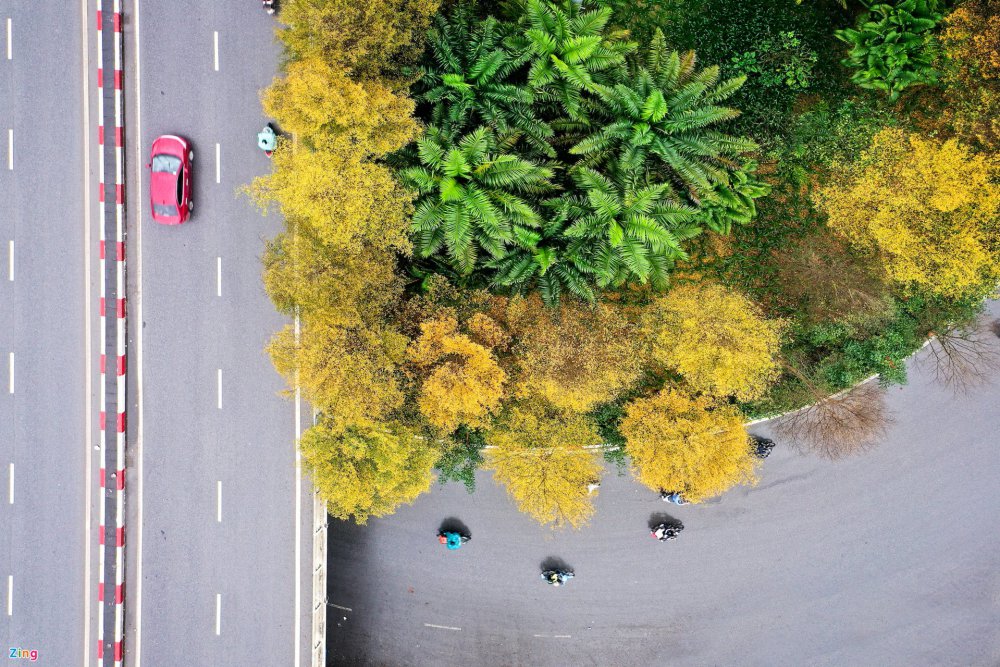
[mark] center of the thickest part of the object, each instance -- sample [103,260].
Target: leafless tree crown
[841,425]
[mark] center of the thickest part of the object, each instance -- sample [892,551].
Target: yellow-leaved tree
[929,210]
[366,470]
[692,445]
[344,289]
[347,200]
[317,102]
[717,339]
[971,66]
[368,38]
[574,356]
[347,372]
[540,456]
[461,382]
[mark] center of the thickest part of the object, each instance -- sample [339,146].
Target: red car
[170,180]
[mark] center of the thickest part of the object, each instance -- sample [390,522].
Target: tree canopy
[687,444]
[929,210]
[366,470]
[540,456]
[716,339]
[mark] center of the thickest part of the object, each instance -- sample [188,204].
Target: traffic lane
[43,535]
[181,433]
[238,242]
[886,558]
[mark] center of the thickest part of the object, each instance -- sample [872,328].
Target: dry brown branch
[828,283]
[962,358]
[841,425]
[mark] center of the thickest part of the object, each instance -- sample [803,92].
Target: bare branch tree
[845,424]
[962,358]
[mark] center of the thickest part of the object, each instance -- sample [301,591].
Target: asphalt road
[887,559]
[213,591]
[42,312]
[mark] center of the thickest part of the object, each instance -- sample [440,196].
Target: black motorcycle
[761,447]
[667,531]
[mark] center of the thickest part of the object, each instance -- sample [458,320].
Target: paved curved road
[892,558]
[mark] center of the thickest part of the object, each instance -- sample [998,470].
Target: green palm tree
[470,198]
[658,121]
[633,229]
[552,266]
[606,233]
[466,81]
[570,51]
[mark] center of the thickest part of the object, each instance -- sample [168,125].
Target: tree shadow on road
[348,594]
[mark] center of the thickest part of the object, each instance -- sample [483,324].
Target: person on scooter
[667,531]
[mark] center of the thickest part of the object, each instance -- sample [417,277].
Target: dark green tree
[470,197]
[658,121]
[467,82]
[571,52]
[892,47]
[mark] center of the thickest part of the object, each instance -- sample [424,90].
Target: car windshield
[166,210]
[166,164]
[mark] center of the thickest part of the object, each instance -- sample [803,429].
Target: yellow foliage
[971,45]
[367,37]
[364,471]
[542,461]
[345,289]
[717,339]
[575,356]
[484,330]
[347,201]
[691,445]
[317,100]
[347,372]
[928,209]
[972,37]
[462,381]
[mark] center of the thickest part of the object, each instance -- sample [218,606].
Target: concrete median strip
[111,550]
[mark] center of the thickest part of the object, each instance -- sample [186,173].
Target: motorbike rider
[667,531]
[452,539]
[675,497]
[556,577]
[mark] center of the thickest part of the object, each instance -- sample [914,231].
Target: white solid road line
[10,149]
[215,40]
[88,476]
[218,613]
[136,599]
[218,276]
[441,627]
[10,366]
[10,260]
[10,45]
[219,378]
[218,161]
[10,594]
[298,508]
[218,501]
[10,493]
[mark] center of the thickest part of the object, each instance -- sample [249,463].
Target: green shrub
[892,47]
